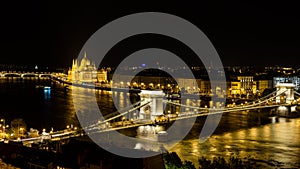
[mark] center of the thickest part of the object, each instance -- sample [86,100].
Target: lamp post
[21,131]
[123,120]
[3,121]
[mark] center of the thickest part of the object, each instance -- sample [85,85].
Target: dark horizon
[244,33]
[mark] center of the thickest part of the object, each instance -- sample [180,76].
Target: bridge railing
[251,104]
[117,116]
[295,92]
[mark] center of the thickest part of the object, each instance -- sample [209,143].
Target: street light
[20,131]
[3,120]
[123,119]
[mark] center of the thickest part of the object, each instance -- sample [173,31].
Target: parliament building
[86,71]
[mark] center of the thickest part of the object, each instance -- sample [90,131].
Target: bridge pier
[287,111]
[283,111]
[285,93]
[155,107]
[285,96]
[58,146]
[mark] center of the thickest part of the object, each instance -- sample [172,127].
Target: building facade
[86,71]
[295,80]
[264,84]
[242,85]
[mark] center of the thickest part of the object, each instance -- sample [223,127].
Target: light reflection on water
[279,142]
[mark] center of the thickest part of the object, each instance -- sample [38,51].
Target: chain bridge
[150,111]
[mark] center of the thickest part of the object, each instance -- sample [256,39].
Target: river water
[272,145]
[247,133]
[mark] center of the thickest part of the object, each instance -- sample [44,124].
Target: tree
[18,126]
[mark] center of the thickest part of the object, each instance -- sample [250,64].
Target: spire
[84,54]
[72,65]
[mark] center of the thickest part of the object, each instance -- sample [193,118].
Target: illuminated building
[85,71]
[247,84]
[205,87]
[102,75]
[264,84]
[242,85]
[235,88]
[295,80]
[190,85]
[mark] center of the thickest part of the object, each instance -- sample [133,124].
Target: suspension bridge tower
[285,93]
[155,106]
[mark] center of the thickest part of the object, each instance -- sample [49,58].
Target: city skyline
[243,33]
[196,84]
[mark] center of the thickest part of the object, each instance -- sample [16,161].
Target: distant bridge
[9,74]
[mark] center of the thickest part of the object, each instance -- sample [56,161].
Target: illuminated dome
[84,62]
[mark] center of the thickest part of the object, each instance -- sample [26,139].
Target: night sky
[244,33]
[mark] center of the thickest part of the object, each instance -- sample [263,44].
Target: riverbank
[76,153]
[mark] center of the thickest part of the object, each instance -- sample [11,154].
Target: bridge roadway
[265,102]
[108,124]
[66,134]
[181,116]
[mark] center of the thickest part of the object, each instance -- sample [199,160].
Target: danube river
[248,134]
